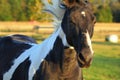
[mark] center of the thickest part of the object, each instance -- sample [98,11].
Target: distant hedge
[104,14]
[21,10]
[29,10]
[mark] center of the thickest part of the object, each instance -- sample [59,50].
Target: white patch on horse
[36,55]
[38,52]
[63,37]
[83,13]
[71,47]
[89,42]
[20,59]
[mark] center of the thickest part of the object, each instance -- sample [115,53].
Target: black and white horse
[23,38]
[59,57]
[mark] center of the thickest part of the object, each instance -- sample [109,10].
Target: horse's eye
[86,1]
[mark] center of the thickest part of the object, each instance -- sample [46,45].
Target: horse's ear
[78,0]
[69,3]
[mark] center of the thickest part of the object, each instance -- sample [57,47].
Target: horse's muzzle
[85,59]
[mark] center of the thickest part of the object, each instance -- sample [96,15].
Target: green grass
[106,62]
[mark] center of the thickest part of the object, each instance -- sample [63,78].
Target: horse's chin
[84,64]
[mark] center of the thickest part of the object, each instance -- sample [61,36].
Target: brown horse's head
[78,25]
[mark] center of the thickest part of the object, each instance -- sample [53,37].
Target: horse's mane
[55,8]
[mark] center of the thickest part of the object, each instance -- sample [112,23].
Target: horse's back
[9,51]
[23,38]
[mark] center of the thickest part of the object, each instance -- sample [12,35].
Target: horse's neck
[57,40]
[60,61]
[50,42]
[63,59]
[70,64]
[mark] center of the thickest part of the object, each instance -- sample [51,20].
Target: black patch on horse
[55,54]
[23,38]
[9,50]
[22,71]
[55,58]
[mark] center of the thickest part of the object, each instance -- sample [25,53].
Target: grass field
[106,62]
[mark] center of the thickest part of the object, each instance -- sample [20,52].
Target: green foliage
[5,13]
[104,14]
[115,6]
[21,10]
[36,11]
[109,11]
[26,10]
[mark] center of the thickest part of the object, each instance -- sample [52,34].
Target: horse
[23,38]
[59,57]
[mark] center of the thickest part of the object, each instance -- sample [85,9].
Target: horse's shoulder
[9,50]
[5,40]
[8,43]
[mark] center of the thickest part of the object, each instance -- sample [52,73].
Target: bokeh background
[26,17]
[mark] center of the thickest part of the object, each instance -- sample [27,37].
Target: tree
[102,10]
[17,10]
[35,8]
[5,13]
[115,7]
[119,1]
[104,14]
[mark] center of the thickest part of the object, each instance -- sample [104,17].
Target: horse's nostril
[88,63]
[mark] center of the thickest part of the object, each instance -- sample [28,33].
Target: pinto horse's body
[59,57]
[25,59]
[22,38]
